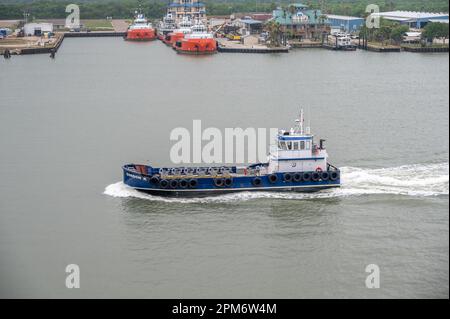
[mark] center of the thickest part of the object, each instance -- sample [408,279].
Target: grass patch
[382,45]
[417,45]
[98,25]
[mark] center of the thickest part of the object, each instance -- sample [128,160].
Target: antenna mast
[302,122]
[299,128]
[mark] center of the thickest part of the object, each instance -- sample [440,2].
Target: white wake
[407,180]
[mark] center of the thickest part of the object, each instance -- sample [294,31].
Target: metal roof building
[37,29]
[412,18]
[345,23]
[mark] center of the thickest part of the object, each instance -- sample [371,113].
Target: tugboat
[199,41]
[166,26]
[295,164]
[140,30]
[184,27]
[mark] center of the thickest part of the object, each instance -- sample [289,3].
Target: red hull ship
[141,30]
[197,42]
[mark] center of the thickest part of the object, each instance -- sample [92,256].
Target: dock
[379,48]
[226,46]
[32,45]
[336,48]
[305,44]
[252,50]
[425,49]
[96,34]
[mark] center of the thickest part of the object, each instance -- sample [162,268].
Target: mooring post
[7,54]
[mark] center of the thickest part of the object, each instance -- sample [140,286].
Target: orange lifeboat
[197,42]
[141,30]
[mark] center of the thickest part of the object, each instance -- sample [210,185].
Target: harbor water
[68,124]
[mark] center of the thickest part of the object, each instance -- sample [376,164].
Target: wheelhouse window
[289,145]
[282,145]
[302,145]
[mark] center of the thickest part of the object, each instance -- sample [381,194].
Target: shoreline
[223,46]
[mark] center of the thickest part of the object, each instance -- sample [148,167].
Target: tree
[435,30]
[398,32]
[275,33]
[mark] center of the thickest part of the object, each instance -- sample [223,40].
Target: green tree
[435,30]
[275,33]
[398,32]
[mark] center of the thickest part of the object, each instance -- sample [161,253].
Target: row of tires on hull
[174,183]
[300,177]
[257,181]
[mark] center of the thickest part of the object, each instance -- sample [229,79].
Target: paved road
[119,25]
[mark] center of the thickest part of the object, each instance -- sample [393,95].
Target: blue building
[345,23]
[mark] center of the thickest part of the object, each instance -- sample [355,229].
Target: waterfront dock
[31,45]
[431,49]
[305,44]
[35,45]
[97,34]
[227,46]
[379,48]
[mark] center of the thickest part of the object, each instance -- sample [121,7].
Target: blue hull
[192,186]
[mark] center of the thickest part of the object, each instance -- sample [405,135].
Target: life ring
[319,170]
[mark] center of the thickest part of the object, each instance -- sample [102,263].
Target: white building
[37,29]
[416,20]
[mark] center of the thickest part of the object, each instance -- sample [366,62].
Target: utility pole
[25,16]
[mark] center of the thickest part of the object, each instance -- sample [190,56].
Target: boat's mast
[302,122]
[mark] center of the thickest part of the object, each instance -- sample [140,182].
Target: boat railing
[332,167]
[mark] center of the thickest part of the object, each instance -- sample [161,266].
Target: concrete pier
[227,46]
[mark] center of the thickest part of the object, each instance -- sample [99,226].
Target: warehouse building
[345,23]
[37,29]
[248,26]
[413,19]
